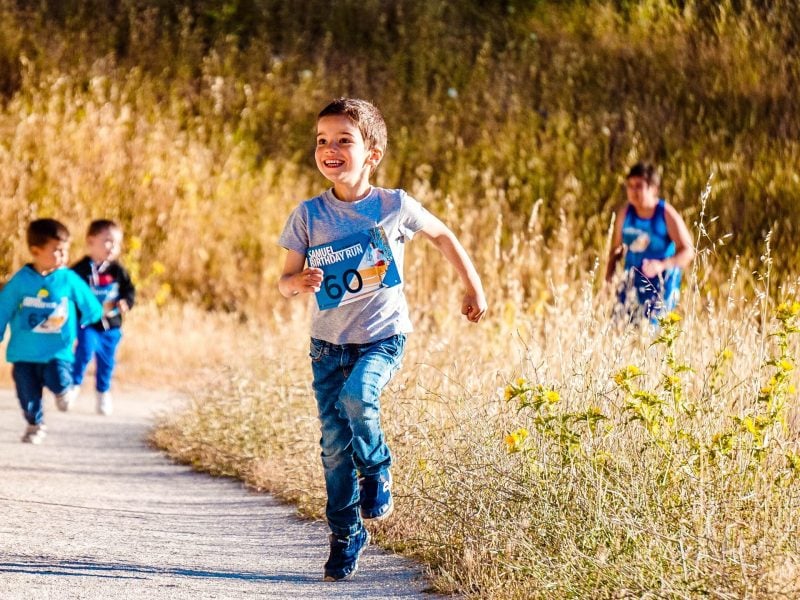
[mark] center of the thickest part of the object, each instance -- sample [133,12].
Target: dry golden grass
[630,508]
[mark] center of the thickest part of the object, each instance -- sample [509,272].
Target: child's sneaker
[376,496]
[105,405]
[65,399]
[343,561]
[34,434]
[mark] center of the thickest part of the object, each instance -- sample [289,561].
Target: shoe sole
[331,578]
[381,517]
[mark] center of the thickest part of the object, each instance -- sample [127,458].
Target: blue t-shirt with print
[41,311]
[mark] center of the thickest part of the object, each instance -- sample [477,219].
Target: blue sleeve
[90,308]
[9,299]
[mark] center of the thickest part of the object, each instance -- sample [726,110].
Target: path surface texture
[94,513]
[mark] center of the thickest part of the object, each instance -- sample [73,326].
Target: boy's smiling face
[343,157]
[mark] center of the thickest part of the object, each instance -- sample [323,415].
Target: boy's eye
[345,141]
[321,141]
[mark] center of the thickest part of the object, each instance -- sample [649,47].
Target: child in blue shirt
[657,246]
[113,287]
[39,303]
[357,345]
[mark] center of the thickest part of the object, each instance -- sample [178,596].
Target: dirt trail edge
[94,513]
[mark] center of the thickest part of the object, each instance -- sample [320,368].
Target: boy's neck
[352,194]
[44,270]
[645,210]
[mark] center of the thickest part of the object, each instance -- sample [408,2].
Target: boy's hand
[308,280]
[473,306]
[652,267]
[123,306]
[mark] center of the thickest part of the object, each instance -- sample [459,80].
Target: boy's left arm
[127,291]
[473,305]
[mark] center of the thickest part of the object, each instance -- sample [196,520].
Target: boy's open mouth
[333,163]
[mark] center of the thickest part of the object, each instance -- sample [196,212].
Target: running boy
[657,247]
[113,287]
[357,345]
[39,303]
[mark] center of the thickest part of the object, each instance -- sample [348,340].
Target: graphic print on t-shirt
[354,267]
[105,289]
[641,239]
[45,316]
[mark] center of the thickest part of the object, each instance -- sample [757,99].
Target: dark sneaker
[343,561]
[376,496]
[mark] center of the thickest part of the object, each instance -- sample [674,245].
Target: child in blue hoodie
[39,303]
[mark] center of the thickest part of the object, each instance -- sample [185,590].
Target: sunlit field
[550,453]
[547,452]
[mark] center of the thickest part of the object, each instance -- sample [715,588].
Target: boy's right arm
[615,252]
[296,279]
[8,304]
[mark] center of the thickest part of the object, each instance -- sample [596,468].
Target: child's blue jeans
[101,344]
[31,378]
[348,381]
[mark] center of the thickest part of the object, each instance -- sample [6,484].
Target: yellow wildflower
[163,293]
[516,440]
[552,396]
[785,364]
[727,354]
[786,310]
[158,268]
[508,393]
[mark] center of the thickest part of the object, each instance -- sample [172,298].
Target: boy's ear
[375,157]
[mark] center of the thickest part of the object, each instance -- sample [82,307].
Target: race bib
[354,267]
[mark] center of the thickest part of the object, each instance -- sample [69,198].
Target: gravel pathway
[94,513]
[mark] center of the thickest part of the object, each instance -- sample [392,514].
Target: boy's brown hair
[42,231]
[646,171]
[365,116]
[98,226]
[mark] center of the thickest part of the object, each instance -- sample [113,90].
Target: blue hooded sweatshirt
[41,310]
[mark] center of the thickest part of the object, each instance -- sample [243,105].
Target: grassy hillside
[192,122]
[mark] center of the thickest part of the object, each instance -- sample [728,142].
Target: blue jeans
[31,379]
[348,381]
[102,345]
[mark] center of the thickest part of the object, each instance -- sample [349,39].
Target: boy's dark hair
[366,117]
[98,226]
[646,171]
[42,231]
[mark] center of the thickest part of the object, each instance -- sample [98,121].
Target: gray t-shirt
[324,219]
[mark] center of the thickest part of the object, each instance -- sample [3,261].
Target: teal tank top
[643,239]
